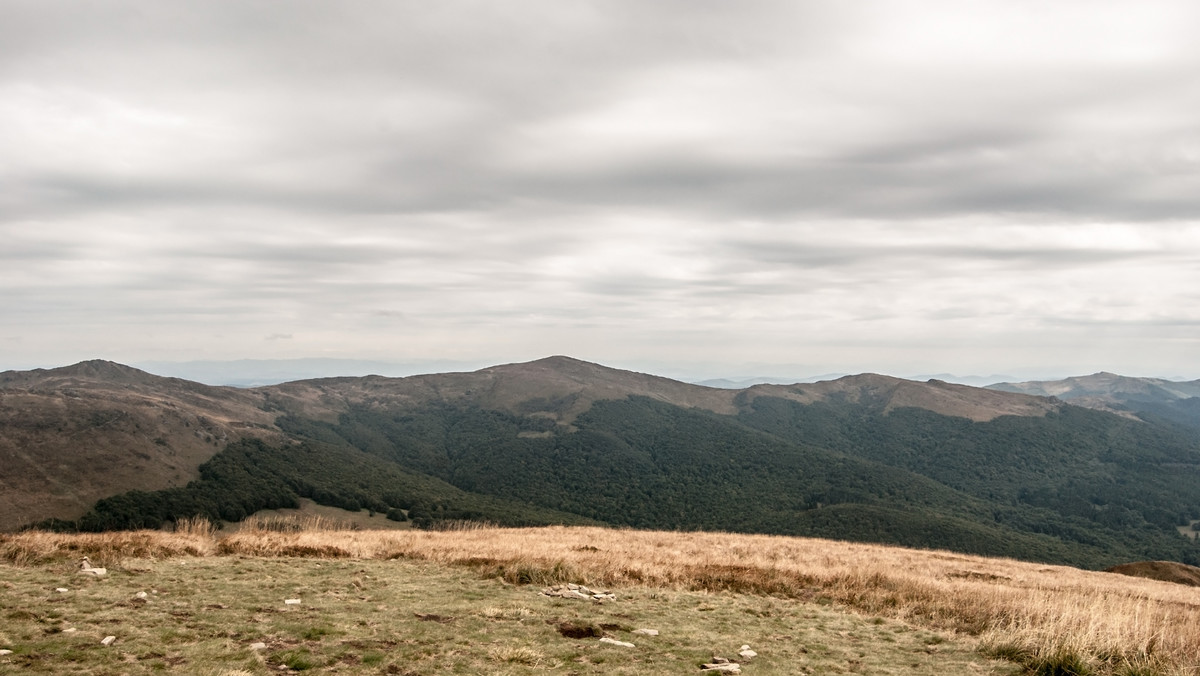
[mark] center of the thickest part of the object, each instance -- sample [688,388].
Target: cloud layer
[682,187]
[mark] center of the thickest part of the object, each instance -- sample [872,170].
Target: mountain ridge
[867,456]
[1129,396]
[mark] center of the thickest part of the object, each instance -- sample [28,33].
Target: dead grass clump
[518,655]
[274,544]
[103,549]
[745,580]
[513,613]
[299,523]
[461,525]
[197,526]
[525,571]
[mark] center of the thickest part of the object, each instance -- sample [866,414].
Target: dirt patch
[578,630]
[1167,571]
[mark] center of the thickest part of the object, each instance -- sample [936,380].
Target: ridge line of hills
[1006,470]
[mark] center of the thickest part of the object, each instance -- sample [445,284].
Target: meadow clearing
[469,601]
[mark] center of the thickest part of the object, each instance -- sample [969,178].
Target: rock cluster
[726,666]
[722,665]
[577,591]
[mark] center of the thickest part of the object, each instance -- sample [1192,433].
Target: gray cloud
[871,185]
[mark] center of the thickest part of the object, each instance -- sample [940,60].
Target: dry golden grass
[1028,612]
[103,549]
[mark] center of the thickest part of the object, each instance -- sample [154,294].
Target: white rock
[86,568]
[258,646]
[108,640]
[140,595]
[292,602]
[5,652]
[70,630]
[723,667]
[62,590]
[614,641]
[647,632]
[747,654]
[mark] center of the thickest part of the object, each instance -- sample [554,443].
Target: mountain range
[1014,470]
[1141,398]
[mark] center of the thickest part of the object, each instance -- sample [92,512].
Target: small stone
[5,652]
[140,595]
[258,646]
[723,667]
[613,641]
[573,586]
[70,630]
[747,654]
[291,602]
[62,590]
[647,632]
[108,640]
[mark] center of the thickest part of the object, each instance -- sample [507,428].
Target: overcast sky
[692,188]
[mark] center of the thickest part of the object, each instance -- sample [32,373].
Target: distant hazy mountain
[1124,395]
[742,383]
[558,440]
[260,372]
[973,381]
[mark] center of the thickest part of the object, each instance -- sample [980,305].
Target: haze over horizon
[694,190]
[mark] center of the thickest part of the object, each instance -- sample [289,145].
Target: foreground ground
[202,615]
[470,602]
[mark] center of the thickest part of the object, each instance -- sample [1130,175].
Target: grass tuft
[518,655]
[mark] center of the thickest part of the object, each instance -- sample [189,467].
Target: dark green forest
[1079,486]
[250,475]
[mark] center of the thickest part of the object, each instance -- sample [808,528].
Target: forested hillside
[865,458]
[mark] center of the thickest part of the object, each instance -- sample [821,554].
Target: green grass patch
[204,615]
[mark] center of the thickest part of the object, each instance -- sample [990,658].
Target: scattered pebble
[108,640]
[614,641]
[647,632]
[140,595]
[62,590]
[746,653]
[292,602]
[258,646]
[5,652]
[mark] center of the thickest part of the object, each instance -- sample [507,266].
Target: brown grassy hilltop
[1041,619]
[73,435]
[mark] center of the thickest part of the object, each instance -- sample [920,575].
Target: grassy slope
[363,617]
[367,597]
